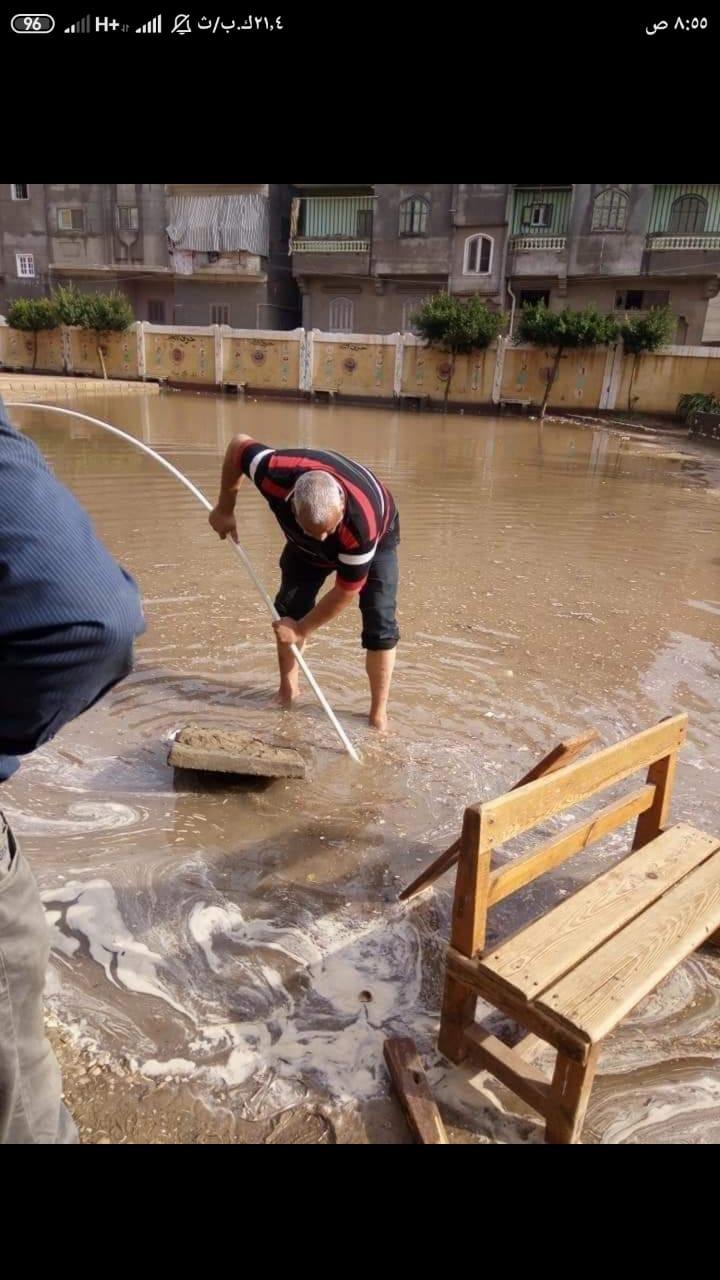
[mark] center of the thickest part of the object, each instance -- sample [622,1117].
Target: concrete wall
[378,307]
[372,365]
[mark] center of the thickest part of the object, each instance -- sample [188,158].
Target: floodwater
[246,938]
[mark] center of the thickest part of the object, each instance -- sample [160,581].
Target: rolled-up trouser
[31,1107]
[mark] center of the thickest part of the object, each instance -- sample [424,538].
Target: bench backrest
[490,824]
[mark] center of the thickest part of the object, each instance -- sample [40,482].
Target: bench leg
[570,1093]
[457,1014]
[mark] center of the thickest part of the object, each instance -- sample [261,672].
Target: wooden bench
[570,977]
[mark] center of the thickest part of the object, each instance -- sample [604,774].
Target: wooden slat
[506,1064]
[414,1092]
[606,986]
[562,754]
[471,974]
[538,956]
[511,814]
[505,880]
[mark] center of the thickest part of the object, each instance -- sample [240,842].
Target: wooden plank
[505,880]
[662,776]
[538,956]
[511,814]
[414,1092]
[469,916]
[507,1065]
[562,754]
[470,973]
[441,864]
[606,986]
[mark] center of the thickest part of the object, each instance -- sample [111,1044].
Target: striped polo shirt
[369,506]
[68,612]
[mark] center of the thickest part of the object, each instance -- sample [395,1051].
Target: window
[537,215]
[364,224]
[127,217]
[609,210]
[630,300]
[641,299]
[219,313]
[414,216]
[528,297]
[478,255]
[19,191]
[25,263]
[688,214]
[156,311]
[342,312]
[70,219]
[411,306]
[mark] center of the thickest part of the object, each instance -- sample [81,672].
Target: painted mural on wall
[362,368]
[119,352]
[262,362]
[17,350]
[182,357]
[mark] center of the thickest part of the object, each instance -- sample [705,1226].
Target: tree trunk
[102,362]
[450,378]
[633,372]
[34,348]
[551,378]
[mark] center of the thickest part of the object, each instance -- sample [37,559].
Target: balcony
[535,244]
[332,224]
[659,241]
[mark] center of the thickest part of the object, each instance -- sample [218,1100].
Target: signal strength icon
[83,27]
[153,28]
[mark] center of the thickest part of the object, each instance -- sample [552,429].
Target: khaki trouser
[31,1107]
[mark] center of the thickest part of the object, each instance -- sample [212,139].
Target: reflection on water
[553,577]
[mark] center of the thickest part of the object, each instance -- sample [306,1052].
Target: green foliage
[106,311]
[456,325]
[563,329]
[32,314]
[70,305]
[648,332]
[697,402]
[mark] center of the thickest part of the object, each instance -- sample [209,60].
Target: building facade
[365,256]
[183,254]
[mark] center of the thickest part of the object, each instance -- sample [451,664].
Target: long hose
[98,422]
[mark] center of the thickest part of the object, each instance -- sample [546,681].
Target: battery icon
[32,24]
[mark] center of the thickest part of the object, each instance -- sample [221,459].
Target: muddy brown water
[246,938]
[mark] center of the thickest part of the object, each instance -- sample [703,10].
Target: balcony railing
[683,242]
[530,244]
[306,244]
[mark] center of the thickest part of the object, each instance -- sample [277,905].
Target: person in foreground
[68,618]
[337,517]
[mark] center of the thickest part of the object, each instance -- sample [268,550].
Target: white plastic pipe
[73,413]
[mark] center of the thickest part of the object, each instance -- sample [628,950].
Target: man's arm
[333,603]
[222,517]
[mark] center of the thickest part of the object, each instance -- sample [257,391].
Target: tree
[457,327]
[562,330]
[70,306]
[106,312]
[32,315]
[643,334]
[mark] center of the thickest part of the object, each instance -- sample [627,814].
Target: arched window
[610,210]
[478,256]
[341,315]
[414,216]
[688,214]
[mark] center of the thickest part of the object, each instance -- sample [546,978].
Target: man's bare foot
[378,720]
[287,694]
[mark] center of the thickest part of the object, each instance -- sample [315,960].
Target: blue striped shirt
[68,612]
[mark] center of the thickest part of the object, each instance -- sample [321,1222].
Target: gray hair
[318,497]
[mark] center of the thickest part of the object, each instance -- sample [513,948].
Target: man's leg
[380,634]
[299,586]
[31,1107]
